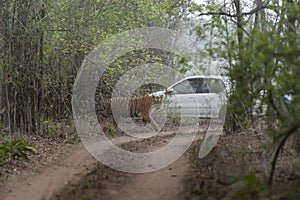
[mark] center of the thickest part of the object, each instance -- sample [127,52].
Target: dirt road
[70,168]
[223,174]
[71,177]
[166,184]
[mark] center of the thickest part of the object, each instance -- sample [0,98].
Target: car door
[183,100]
[212,97]
[202,96]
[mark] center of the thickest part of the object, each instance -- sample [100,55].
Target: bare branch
[284,136]
[251,12]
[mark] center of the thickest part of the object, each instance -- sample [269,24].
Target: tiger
[133,107]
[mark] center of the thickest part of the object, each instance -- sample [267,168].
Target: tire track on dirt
[167,184]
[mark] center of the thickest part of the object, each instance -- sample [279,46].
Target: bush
[15,149]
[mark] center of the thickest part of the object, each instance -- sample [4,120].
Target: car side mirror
[170,91]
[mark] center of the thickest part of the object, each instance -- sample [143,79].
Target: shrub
[15,149]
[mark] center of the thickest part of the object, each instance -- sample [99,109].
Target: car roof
[223,78]
[204,76]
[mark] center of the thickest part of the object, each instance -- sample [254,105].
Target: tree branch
[284,136]
[222,13]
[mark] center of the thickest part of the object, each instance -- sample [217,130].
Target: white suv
[196,96]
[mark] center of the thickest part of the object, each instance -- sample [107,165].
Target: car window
[199,85]
[191,86]
[183,87]
[203,87]
[215,85]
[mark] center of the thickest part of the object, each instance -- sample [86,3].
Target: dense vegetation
[260,41]
[43,44]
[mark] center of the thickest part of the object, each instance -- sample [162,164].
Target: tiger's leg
[154,125]
[150,100]
[133,107]
[148,119]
